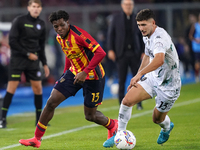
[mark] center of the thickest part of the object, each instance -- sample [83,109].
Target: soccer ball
[125,139]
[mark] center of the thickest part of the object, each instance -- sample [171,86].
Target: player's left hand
[46,70]
[80,77]
[134,81]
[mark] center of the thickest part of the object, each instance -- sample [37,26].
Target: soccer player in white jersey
[158,76]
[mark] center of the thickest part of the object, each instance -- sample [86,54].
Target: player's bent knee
[90,118]
[127,102]
[51,105]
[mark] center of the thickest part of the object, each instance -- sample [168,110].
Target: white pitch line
[95,125]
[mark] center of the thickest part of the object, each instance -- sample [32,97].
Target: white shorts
[165,96]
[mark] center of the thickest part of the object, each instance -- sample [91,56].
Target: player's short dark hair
[145,14]
[123,1]
[34,1]
[58,15]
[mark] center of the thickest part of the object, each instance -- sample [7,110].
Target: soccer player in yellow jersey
[83,69]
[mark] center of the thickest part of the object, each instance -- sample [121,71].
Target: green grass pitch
[70,131]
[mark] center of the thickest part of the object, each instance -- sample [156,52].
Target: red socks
[110,124]
[40,130]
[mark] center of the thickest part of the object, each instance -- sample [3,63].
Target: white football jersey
[168,74]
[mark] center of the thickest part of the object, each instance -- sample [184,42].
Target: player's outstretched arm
[157,61]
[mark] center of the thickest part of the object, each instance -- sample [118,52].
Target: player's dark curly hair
[58,15]
[145,14]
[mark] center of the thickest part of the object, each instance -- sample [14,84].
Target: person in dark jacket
[125,45]
[27,42]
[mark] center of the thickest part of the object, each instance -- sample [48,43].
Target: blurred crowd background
[176,16]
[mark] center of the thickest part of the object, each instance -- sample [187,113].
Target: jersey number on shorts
[95,97]
[163,105]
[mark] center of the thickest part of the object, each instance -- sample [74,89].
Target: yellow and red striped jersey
[79,48]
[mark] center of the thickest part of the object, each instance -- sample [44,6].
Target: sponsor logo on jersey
[158,36]
[144,78]
[15,75]
[28,25]
[38,26]
[74,56]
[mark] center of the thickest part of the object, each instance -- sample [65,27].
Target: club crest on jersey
[62,80]
[38,26]
[39,74]
[91,76]
[67,43]
[150,53]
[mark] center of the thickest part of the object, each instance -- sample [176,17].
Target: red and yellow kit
[79,48]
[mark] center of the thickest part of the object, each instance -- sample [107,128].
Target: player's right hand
[129,87]
[111,55]
[33,57]
[80,77]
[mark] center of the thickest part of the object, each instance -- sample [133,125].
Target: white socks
[124,116]
[165,125]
